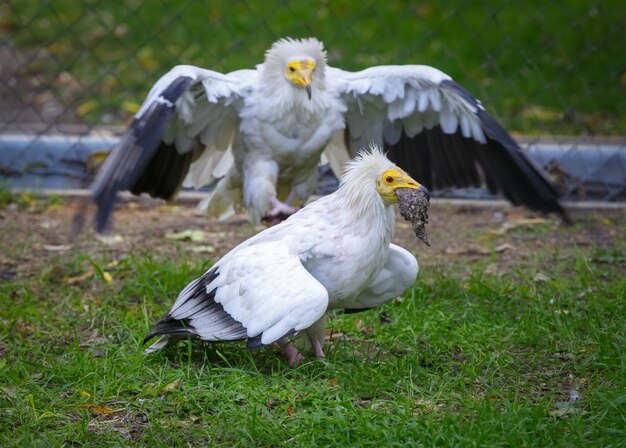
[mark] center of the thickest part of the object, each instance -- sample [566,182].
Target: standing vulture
[261,132]
[334,253]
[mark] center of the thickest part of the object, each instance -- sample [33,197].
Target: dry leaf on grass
[79,278]
[194,235]
[516,223]
[171,386]
[98,410]
[57,247]
[109,240]
[204,249]
[541,278]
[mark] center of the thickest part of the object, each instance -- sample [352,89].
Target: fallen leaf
[361,326]
[57,248]
[204,249]
[9,391]
[172,386]
[333,382]
[95,409]
[290,410]
[107,277]
[469,250]
[79,278]
[187,235]
[48,225]
[84,393]
[504,247]
[541,278]
[515,223]
[109,240]
[492,269]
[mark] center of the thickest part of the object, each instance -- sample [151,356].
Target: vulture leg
[290,352]
[316,334]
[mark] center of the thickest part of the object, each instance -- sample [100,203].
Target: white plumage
[263,131]
[334,253]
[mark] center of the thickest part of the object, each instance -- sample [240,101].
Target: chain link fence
[73,72]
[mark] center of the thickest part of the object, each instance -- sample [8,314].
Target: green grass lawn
[531,354]
[542,67]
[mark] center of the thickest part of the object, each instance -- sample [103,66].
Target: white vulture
[336,252]
[262,133]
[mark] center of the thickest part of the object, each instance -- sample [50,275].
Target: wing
[261,292]
[190,115]
[438,132]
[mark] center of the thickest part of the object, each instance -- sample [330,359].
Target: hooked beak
[408,182]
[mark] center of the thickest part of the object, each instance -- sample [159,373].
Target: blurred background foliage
[542,67]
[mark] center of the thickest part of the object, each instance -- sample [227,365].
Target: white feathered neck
[357,190]
[273,84]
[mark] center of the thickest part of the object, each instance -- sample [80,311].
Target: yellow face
[300,73]
[392,179]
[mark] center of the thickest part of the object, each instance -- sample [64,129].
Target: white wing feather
[208,112]
[384,101]
[267,289]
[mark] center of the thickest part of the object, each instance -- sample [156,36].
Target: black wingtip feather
[440,160]
[132,159]
[170,327]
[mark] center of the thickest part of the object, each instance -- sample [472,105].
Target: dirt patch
[504,237]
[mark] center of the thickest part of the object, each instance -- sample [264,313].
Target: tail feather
[169,331]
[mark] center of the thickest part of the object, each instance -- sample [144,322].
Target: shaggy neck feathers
[357,192]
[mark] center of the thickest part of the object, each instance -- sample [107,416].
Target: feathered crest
[366,165]
[286,49]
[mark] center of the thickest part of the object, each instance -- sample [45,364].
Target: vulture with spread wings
[260,133]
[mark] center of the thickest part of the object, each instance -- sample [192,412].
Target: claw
[291,353]
[317,348]
[281,208]
[279,212]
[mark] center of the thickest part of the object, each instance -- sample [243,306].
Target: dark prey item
[414,208]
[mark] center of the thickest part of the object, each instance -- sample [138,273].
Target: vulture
[257,135]
[334,253]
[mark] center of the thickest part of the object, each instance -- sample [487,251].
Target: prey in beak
[413,204]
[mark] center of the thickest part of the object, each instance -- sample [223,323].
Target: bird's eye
[388,179]
[291,69]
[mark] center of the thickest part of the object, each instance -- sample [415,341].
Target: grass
[542,67]
[464,359]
